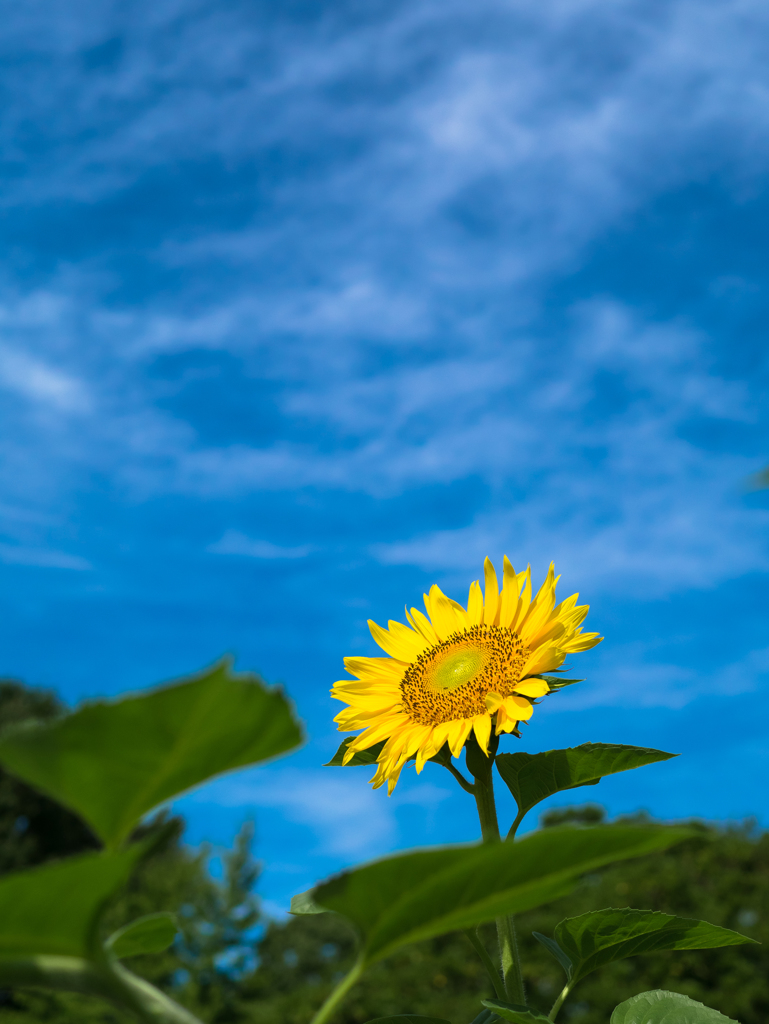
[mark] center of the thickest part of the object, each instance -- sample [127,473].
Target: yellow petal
[491,604]
[518,707]
[443,614]
[420,621]
[510,589]
[532,687]
[524,601]
[376,668]
[396,644]
[482,729]
[475,604]
[459,732]
[493,700]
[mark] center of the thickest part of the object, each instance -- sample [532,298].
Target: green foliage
[513,1013]
[532,778]
[55,909]
[603,936]
[33,828]
[665,1008]
[408,1018]
[414,896]
[152,933]
[114,761]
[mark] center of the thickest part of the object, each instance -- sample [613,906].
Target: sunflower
[455,671]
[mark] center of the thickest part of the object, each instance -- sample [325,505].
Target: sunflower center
[458,668]
[450,680]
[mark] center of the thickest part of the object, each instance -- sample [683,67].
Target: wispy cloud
[233,542]
[44,558]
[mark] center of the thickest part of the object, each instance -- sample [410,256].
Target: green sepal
[514,1013]
[557,682]
[532,778]
[660,1007]
[113,761]
[593,940]
[149,934]
[360,757]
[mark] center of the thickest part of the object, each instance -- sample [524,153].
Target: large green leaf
[150,934]
[660,1007]
[421,894]
[533,777]
[515,1014]
[54,909]
[600,937]
[113,761]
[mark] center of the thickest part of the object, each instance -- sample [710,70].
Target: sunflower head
[458,670]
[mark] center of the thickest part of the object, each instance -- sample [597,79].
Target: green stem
[491,970]
[514,827]
[110,980]
[559,1001]
[338,994]
[480,765]
[468,787]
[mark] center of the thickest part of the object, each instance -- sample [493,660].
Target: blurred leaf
[303,903]
[408,1018]
[150,934]
[532,778]
[414,896]
[660,1007]
[54,909]
[516,1014]
[362,757]
[759,481]
[113,761]
[599,938]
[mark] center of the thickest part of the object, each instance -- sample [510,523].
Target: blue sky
[304,307]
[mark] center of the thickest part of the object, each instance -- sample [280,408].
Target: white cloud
[347,818]
[235,543]
[46,558]
[41,382]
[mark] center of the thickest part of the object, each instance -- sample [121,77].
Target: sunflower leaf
[660,1007]
[55,909]
[113,761]
[149,934]
[514,1013]
[361,757]
[603,936]
[424,893]
[532,778]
